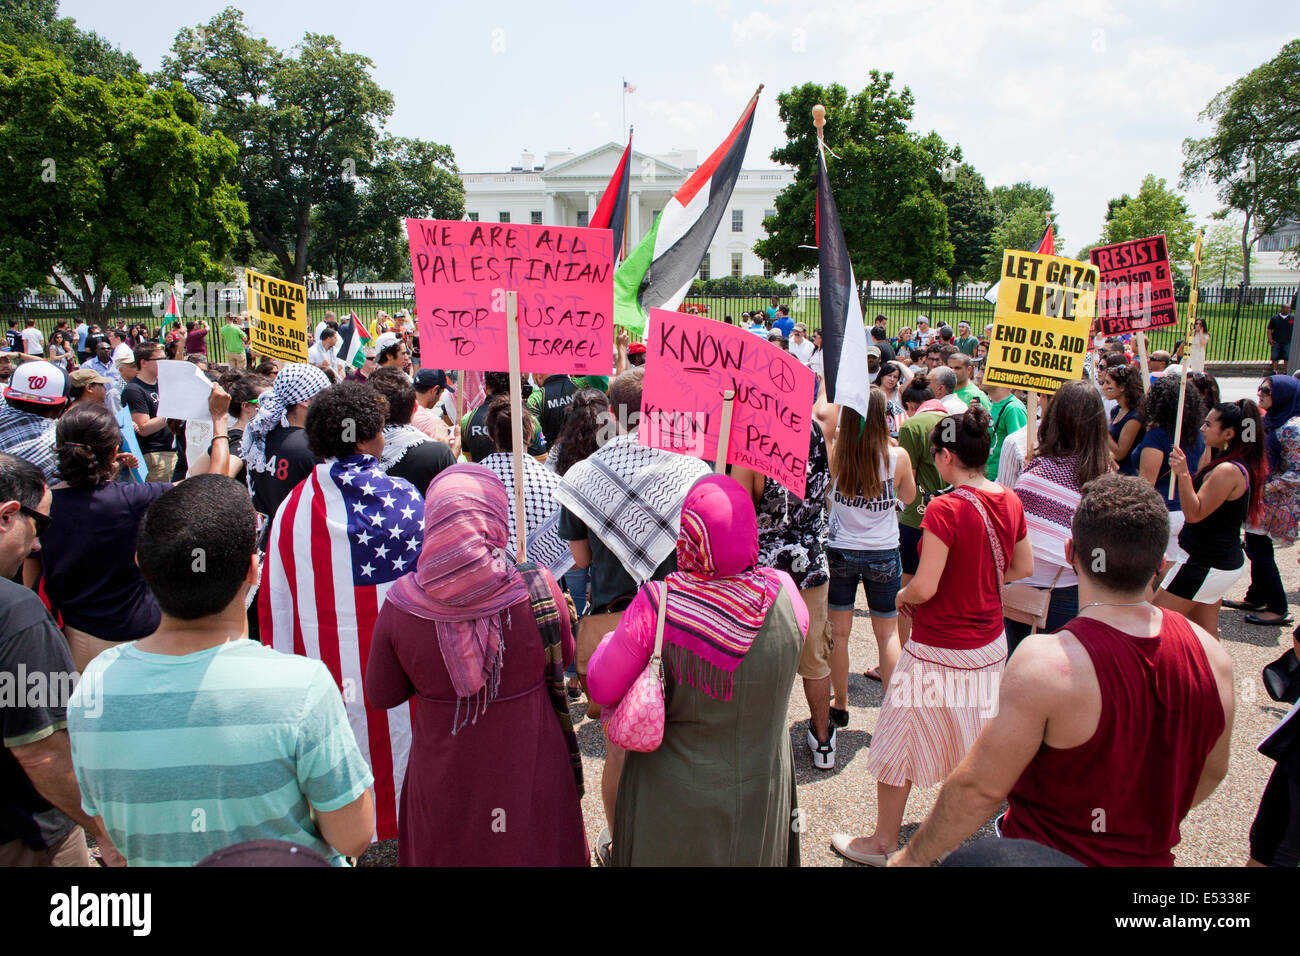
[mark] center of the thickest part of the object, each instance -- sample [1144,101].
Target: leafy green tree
[971,220]
[36,24]
[107,185]
[1221,254]
[1154,210]
[1253,155]
[306,124]
[1021,210]
[360,230]
[883,179]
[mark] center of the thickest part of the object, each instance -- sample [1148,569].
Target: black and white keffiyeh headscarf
[541,511]
[398,440]
[296,383]
[631,498]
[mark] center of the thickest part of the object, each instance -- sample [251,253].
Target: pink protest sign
[690,361]
[564,277]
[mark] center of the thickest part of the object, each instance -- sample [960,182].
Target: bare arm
[1221,483]
[349,828]
[48,764]
[924,584]
[904,480]
[144,425]
[581,551]
[1022,561]
[1149,465]
[1127,439]
[1216,764]
[750,480]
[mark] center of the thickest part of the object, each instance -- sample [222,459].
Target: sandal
[872,673]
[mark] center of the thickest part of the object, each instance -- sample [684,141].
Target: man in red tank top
[1110,731]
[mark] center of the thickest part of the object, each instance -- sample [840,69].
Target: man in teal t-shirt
[966,390]
[1009,415]
[964,341]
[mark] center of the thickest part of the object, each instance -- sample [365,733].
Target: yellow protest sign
[1041,321]
[277,312]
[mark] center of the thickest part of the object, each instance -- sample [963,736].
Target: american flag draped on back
[339,541]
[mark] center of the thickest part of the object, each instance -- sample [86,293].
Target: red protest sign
[1136,289]
[690,361]
[564,277]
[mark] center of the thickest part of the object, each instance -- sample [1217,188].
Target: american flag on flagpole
[628,87]
[338,543]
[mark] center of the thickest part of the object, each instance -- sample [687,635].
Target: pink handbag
[637,723]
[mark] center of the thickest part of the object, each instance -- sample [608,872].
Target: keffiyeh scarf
[398,440]
[630,497]
[295,384]
[541,511]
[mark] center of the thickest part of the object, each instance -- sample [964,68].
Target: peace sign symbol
[781,376]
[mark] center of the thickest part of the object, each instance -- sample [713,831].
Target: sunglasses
[1265,390]
[39,521]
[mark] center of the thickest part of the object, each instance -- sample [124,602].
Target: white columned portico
[633,218]
[592,200]
[552,209]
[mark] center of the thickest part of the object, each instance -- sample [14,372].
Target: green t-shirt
[592,381]
[232,339]
[970,391]
[1009,415]
[967,345]
[914,438]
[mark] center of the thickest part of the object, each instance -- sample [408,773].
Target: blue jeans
[881,574]
[1063,609]
[575,581]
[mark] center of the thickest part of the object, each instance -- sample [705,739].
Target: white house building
[565,189]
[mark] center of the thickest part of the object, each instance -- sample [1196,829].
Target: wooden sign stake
[1192,296]
[517,412]
[1031,427]
[724,436]
[1142,356]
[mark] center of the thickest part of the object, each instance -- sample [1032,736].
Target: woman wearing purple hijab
[480,645]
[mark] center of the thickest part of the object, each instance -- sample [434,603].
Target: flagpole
[517,412]
[1192,295]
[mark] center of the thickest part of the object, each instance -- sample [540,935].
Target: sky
[1085,97]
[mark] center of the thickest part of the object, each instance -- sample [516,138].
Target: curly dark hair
[397,387]
[86,441]
[348,409]
[1129,379]
[1207,386]
[582,431]
[496,383]
[1160,409]
[498,423]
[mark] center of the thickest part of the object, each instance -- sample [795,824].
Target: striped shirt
[185,755]
[1049,490]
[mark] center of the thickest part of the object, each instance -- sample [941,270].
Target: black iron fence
[1237,319]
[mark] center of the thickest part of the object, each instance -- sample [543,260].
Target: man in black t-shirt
[550,405]
[276,456]
[1279,338]
[41,818]
[141,397]
[474,440]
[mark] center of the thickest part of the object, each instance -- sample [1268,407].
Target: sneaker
[840,718]
[823,754]
[604,853]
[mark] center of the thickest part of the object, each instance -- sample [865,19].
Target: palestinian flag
[173,309]
[1046,246]
[611,213]
[353,339]
[844,336]
[659,271]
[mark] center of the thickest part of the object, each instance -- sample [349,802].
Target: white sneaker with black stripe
[823,753]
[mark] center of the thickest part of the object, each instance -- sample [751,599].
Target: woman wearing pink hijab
[720,789]
[480,645]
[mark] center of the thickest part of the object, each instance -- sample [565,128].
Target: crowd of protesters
[1044,603]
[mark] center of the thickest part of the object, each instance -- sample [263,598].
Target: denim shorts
[880,573]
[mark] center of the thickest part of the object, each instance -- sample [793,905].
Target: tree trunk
[953,295]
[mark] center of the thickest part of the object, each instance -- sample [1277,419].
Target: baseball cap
[385,340]
[873,350]
[87,376]
[636,348]
[799,327]
[124,360]
[428,378]
[41,382]
[922,318]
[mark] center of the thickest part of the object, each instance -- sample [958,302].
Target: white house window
[536,216]
[737,220]
[769,213]
[504,217]
[737,264]
[473,216]
[582,218]
[767,270]
[704,269]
